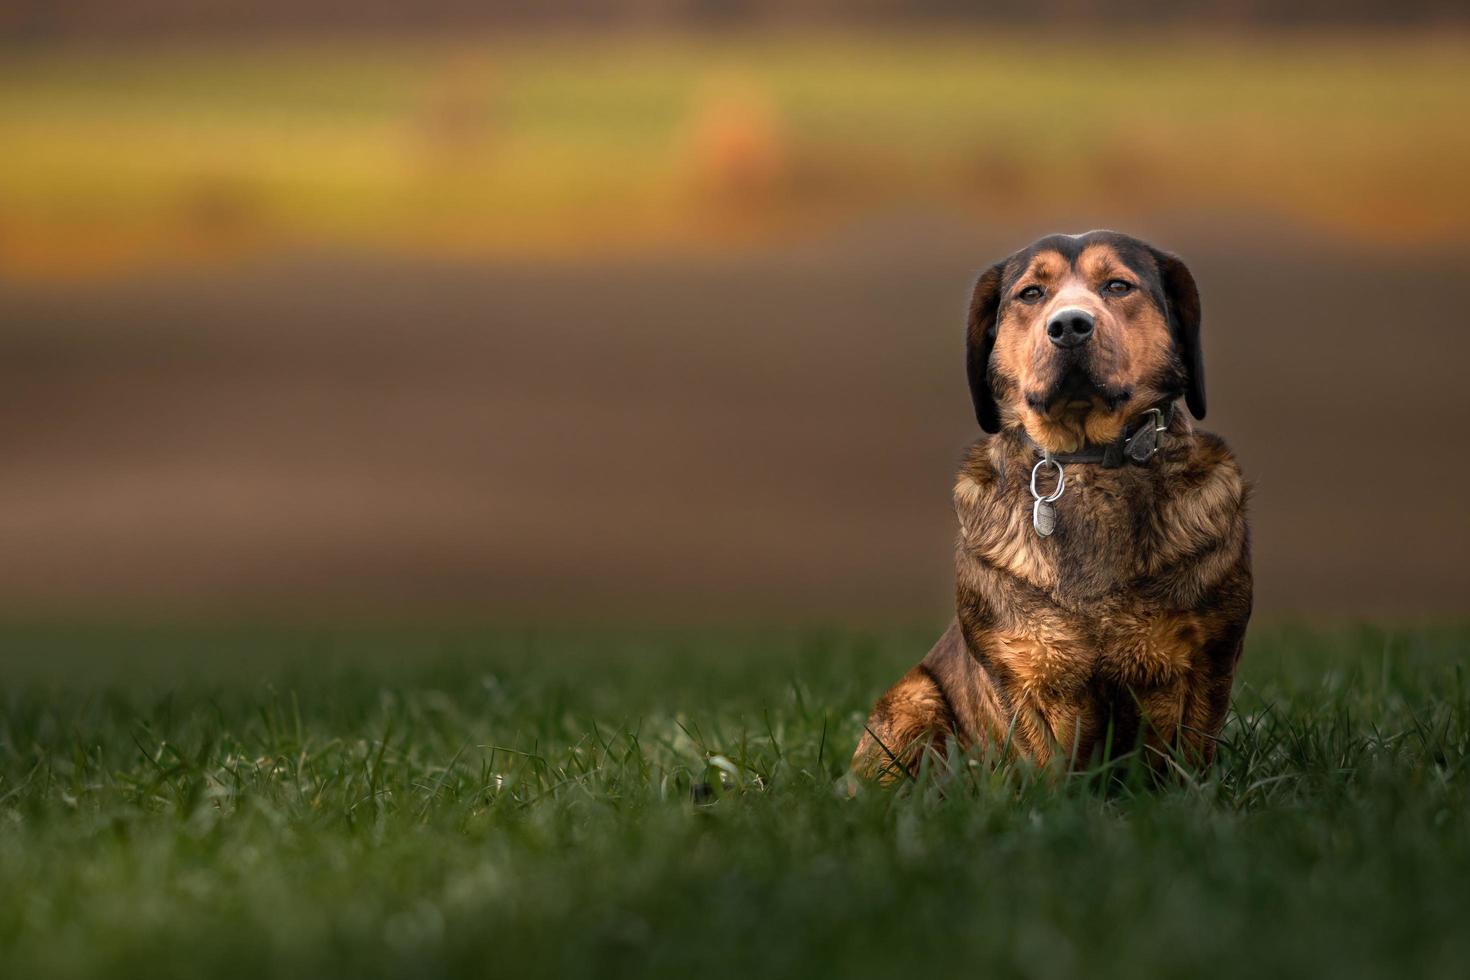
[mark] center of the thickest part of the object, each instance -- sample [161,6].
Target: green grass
[322,803]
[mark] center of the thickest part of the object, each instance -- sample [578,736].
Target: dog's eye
[1030,294]
[1118,287]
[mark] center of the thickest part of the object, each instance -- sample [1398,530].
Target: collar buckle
[1143,444]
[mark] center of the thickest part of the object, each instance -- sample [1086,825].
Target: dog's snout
[1069,328]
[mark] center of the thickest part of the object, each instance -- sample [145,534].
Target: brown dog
[1103,577]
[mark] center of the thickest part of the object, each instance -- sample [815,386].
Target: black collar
[1136,444]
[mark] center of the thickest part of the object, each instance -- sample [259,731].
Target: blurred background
[654,308]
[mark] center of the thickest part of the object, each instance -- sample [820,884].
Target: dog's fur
[1124,627]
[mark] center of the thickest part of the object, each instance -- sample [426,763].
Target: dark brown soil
[739,436]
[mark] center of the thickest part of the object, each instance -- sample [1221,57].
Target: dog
[1102,567]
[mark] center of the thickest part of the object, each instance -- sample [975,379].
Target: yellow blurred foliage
[121,157]
[737,151]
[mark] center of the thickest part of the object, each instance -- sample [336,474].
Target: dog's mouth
[1075,391]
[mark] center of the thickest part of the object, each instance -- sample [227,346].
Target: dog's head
[1075,335]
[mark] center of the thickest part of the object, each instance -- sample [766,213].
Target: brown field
[759,434]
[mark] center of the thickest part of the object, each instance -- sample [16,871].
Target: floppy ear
[979,342]
[1182,297]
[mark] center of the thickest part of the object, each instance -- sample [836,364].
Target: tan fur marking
[1131,342]
[911,718]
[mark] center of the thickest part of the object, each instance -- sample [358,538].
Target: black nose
[1069,328]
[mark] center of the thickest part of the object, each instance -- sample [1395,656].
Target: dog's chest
[1098,543]
[1122,643]
[1101,631]
[1087,609]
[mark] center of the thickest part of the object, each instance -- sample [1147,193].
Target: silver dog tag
[1043,517]
[1043,514]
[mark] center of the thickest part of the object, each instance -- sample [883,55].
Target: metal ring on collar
[1061,479]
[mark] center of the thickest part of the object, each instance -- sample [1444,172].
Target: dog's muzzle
[1070,327]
